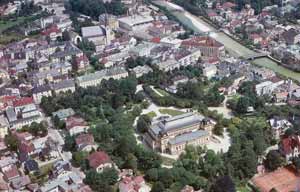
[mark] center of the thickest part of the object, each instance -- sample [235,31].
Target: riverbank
[233,47]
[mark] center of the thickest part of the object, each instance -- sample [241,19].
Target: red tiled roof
[212,14]
[26,147]
[11,173]
[155,40]
[202,41]
[23,101]
[228,5]
[86,139]
[98,158]
[74,121]
[82,58]
[52,29]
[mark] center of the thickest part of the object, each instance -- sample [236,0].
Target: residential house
[289,146]
[209,70]
[279,126]
[52,32]
[4,125]
[85,142]
[291,36]
[176,81]
[133,184]
[94,79]
[31,166]
[76,125]
[141,70]
[68,182]
[41,91]
[64,86]
[10,173]
[99,160]
[264,88]
[20,183]
[60,168]
[63,114]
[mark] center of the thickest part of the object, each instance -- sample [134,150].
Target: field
[171,112]
[151,114]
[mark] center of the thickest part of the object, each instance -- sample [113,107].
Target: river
[233,47]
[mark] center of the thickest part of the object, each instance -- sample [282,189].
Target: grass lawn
[151,114]
[8,24]
[167,161]
[42,175]
[243,189]
[171,112]
[163,92]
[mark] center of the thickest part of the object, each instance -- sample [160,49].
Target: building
[209,70]
[171,135]
[279,126]
[207,45]
[63,114]
[76,125]
[141,70]
[264,88]
[99,160]
[133,184]
[109,20]
[41,91]
[64,86]
[69,182]
[3,126]
[135,22]
[99,35]
[289,146]
[85,142]
[94,79]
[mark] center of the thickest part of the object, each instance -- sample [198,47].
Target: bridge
[255,56]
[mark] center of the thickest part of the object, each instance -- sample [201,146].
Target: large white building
[135,22]
[94,79]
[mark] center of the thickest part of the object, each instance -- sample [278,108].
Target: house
[76,125]
[208,46]
[289,146]
[20,183]
[171,135]
[141,70]
[31,166]
[63,114]
[85,142]
[52,32]
[176,81]
[279,126]
[291,36]
[41,91]
[264,88]
[69,182]
[64,86]
[133,184]
[188,188]
[60,168]
[94,79]
[209,70]
[82,62]
[255,38]
[3,126]
[99,160]
[10,173]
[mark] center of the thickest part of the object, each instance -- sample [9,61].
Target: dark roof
[289,35]
[41,89]
[31,165]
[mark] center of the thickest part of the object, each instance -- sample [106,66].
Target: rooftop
[188,137]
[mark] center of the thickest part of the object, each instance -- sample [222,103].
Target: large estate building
[171,135]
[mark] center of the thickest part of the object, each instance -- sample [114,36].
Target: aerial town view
[149,95]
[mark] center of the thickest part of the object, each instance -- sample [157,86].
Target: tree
[224,184]
[158,187]
[242,105]
[143,123]
[12,142]
[273,160]
[70,144]
[66,36]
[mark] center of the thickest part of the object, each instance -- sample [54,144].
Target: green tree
[143,123]
[273,160]
[158,187]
